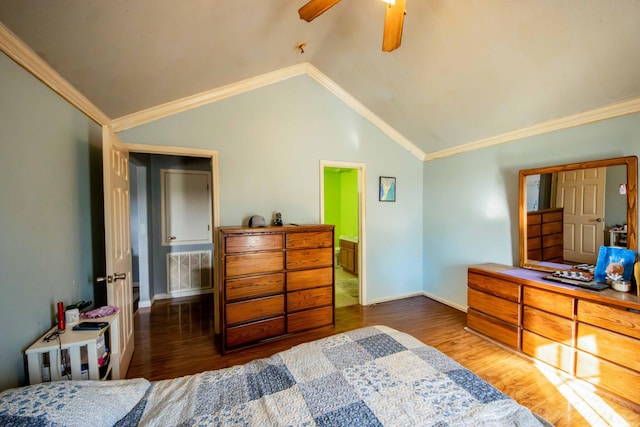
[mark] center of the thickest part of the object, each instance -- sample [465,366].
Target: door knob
[599,219]
[111,279]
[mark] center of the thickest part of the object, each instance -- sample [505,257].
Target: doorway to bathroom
[342,202]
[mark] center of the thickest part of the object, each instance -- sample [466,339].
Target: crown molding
[183,104]
[217,94]
[608,112]
[19,52]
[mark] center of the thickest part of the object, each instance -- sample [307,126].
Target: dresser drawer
[252,243]
[316,297]
[309,319]
[551,228]
[304,279]
[548,325]
[534,243]
[607,317]
[548,301]
[617,379]
[256,331]
[499,330]
[309,258]
[494,306]
[494,286]
[254,286]
[316,239]
[614,347]
[244,311]
[552,216]
[256,263]
[553,353]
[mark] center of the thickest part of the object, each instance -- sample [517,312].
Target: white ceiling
[466,70]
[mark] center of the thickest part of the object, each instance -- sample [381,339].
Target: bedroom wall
[270,142]
[48,151]
[471,199]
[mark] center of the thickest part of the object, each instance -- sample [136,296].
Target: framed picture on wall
[387,189]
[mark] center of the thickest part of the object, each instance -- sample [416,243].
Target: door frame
[215,201]
[362,258]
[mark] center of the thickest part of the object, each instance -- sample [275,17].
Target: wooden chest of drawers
[594,336]
[275,281]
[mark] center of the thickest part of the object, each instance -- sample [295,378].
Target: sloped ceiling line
[217,94]
[22,54]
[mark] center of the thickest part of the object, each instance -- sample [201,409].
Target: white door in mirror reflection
[581,194]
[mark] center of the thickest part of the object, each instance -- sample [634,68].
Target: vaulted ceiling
[467,70]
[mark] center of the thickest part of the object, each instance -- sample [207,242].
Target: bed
[367,377]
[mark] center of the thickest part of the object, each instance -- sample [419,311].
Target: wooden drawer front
[309,319]
[552,216]
[551,228]
[503,332]
[254,286]
[316,239]
[553,252]
[244,311]
[551,352]
[617,348]
[252,243]
[494,286]
[302,300]
[347,244]
[255,331]
[494,306]
[261,262]
[534,230]
[607,317]
[534,218]
[548,325]
[552,240]
[621,381]
[535,254]
[309,258]
[548,301]
[534,243]
[304,279]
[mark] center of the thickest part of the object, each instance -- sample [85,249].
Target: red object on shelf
[60,316]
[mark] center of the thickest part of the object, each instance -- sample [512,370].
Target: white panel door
[186,207]
[581,194]
[118,243]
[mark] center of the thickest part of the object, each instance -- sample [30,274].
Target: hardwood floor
[176,338]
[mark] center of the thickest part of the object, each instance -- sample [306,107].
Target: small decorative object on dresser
[275,281]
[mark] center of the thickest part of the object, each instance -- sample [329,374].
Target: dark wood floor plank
[176,338]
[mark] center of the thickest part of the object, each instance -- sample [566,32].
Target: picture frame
[387,189]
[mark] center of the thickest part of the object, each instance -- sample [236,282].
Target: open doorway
[163,267]
[342,201]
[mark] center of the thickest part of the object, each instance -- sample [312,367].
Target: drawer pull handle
[633,310]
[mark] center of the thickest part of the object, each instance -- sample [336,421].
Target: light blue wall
[48,150]
[471,199]
[270,142]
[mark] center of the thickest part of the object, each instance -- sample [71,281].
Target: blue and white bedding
[367,377]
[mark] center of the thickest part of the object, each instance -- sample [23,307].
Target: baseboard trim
[445,301]
[183,294]
[394,298]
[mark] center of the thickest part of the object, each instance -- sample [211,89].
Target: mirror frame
[632,201]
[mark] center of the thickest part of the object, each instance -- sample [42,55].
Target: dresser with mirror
[593,335]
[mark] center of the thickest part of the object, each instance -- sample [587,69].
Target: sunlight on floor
[583,398]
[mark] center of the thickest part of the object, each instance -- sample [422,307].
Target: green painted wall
[341,201]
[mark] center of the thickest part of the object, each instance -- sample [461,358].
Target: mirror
[568,211]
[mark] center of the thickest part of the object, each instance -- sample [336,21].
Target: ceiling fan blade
[315,8]
[393,22]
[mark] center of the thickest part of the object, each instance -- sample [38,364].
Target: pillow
[71,403]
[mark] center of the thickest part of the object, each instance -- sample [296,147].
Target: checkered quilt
[367,377]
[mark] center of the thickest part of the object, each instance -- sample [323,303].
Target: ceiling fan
[393,19]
